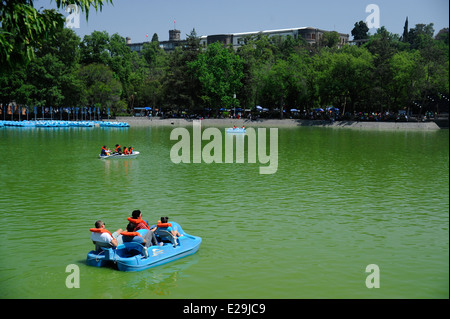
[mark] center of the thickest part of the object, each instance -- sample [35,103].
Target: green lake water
[340,200]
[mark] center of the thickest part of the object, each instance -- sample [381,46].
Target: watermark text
[373,19]
[221,150]
[73,19]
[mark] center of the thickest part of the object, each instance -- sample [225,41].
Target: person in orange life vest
[105,151]
[136,218]
[143,236]
[130,150]
[118,149]
[101,235]
[125,151]
[164,225]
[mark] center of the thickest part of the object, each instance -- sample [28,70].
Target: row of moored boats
[57,123]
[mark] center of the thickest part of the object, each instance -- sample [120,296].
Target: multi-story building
[309,34]
[168,46]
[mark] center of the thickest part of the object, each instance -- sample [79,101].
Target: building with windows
[309,34]
[168,46]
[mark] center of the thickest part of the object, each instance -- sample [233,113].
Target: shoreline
[285,123]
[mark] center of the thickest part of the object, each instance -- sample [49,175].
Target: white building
[309,34]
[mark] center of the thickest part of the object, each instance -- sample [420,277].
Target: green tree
[330,39]
[153,53]
[285,83]
[23,28]
[180,83]
[95,48]
[99,47]
[344,77]
[100,86]
[220,72]
[383,45]
[257,54]
[360,30]
[443,36]
[420,36]
[51,78]
[405,31]
[13,87]
[409,77]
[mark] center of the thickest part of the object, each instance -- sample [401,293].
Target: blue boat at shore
[130,256]
[61,123]
[235,130]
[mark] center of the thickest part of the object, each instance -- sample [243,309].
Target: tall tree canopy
[23,28]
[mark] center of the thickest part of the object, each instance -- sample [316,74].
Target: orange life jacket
[104,149]
[125,151]
[164,225]
[138,221]
[117,148]
[130,234]
[99,230]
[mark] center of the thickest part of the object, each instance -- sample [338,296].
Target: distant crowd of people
[333,114]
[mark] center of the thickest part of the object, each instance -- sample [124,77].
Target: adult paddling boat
[130,256]
[133,155]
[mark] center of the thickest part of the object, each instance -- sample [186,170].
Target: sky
[138,18]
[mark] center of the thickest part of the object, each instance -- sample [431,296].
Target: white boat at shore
[134,155]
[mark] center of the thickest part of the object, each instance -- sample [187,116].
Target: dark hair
[136,213]
[98,224]
[130,227]
[164,220]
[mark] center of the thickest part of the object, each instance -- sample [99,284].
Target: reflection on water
[115,165]
[339,201]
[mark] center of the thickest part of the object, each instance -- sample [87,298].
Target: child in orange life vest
[102,235]
[164,225]
[125,151]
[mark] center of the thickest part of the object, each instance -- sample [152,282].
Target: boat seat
[164,235]
[99,245]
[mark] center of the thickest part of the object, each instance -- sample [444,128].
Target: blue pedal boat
[130,256]
[235,130]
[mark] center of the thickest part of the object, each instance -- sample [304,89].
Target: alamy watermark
[373,279]
[73,19]
[373,19]
[73,279]
[221,150]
